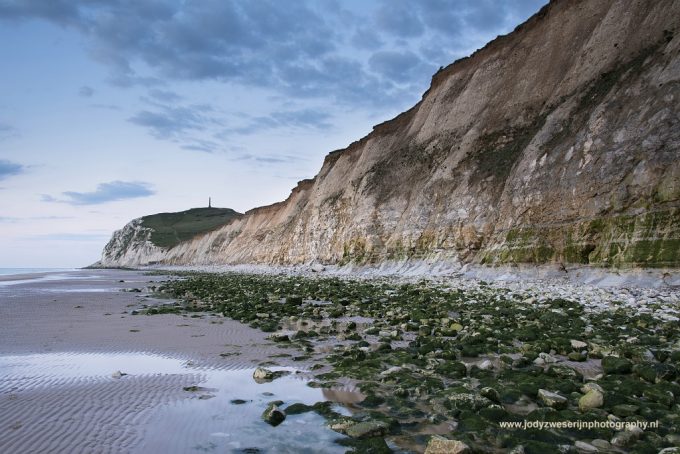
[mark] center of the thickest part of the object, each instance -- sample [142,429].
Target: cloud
[398,66]
[85,91]
[164,95]
[268,159]
[7,131]
[98,237]
[206,146]
[298,119]
[300,49]
[398,18]
[105,192]
[12,219]
[172,122]
[9,168]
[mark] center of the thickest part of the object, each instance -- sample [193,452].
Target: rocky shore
[446,364]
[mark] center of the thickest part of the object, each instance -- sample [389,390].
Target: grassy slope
[169,229]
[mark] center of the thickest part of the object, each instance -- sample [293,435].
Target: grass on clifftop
[169,229]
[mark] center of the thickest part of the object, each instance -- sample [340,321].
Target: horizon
[118,111]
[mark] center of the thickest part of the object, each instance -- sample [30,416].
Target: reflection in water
[343,395]
[221,413]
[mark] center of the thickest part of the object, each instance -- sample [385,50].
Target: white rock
[485,365]
[117,374]
[577,344]
[583,447]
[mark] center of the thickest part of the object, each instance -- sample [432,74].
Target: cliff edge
[559,142]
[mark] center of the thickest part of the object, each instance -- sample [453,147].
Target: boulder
[262,375]
[552,400]
[585,448]
[367,429]
[616,365]
[441,445]
[273,415]
[578,345]
[592,399]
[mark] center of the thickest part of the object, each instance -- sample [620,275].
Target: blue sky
[113,109]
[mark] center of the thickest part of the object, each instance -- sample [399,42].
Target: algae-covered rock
[616,365]
[273,415]
[592,399]
[298,408]
[452,369]
[552,400]
[490,394]
[262,375]
[441,445]
[468,401]
[625,410]
[660,396]
[584,448]
[367,429]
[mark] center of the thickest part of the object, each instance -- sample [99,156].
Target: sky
[115,109]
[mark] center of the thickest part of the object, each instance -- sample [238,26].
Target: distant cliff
[147,239]
[559,142]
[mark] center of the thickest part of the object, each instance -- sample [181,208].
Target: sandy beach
[64,336]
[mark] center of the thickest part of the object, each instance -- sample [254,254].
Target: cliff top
[169,229]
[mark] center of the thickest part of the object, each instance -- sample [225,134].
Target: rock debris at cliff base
[459,360]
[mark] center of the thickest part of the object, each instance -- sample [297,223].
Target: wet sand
[63,336]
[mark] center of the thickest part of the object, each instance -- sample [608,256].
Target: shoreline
[448,365]
[63,340]
[442,270]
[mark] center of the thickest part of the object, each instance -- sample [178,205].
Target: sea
[13,271]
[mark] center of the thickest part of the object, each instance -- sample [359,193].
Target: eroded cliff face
[559,142]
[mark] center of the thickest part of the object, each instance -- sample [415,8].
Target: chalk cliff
[559,142]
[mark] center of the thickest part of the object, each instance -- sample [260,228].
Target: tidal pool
[219,412]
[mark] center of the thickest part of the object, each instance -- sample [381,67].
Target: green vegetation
[424,355]
[650,240]
[169,229]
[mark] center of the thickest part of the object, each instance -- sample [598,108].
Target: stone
[490,394]
[659,396]
[578,345]
[671,450]
[485,365]
[452,369]
[318,268]
[118,374]
[548,358]
[592,399]
[552,400]
[273,415]
[585,448]
[602,445]
[262,375]
[367,429]
[468,401]
[616,365]
[390,371]
[625,438]
[576,356]
[457,327]
[589,386]
[625,410]
[441,445]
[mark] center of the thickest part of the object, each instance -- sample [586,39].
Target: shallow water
[199,421]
